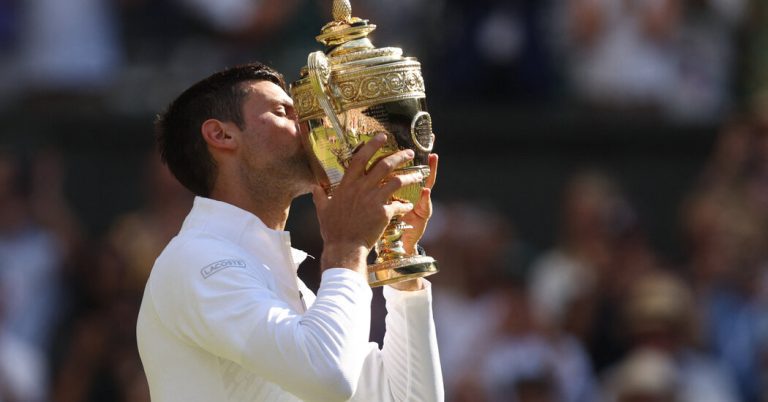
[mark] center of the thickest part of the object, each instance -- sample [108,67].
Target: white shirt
[223,320]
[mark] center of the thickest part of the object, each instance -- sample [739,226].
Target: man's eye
[280,112]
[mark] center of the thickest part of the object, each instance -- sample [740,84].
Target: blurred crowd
[69,300]
[598,316]
[683,60]
[602,316]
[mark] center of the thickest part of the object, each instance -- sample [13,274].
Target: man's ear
[218,134]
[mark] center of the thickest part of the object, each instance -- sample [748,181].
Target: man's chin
[305,191]
[308,174]
[305,187]
[306,181]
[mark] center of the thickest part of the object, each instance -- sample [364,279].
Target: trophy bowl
[347,95]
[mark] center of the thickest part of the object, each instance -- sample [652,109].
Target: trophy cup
[344,97]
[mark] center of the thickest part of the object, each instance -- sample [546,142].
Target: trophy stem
[393,263]
[389,247]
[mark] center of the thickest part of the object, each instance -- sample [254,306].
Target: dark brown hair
[219,96]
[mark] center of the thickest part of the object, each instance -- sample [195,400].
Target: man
[224,316]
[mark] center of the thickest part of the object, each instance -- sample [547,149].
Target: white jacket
[224,319]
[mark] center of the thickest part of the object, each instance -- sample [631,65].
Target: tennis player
[224,315]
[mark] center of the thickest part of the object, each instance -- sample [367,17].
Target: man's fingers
[433,159]
[423,208]
[398,208]
[398,181]
[385,166]
[359,161]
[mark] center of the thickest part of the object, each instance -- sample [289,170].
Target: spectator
[29,260]
[99,359]
[622,54]
[725,226]
[493,50]
[466,309]
[68,46]
[659,314]
[30,263]
[602,249]
[519,362]
[139,236]
[706,59]
[646,375]
[22,365]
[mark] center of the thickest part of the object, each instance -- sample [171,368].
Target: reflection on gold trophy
[344,97]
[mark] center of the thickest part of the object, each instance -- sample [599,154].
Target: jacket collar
[236,225]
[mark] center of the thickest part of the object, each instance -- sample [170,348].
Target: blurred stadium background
[602,205]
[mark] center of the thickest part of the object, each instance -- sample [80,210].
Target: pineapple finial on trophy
[344,27]
[342,10]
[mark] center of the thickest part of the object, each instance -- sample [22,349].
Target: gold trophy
[344,97]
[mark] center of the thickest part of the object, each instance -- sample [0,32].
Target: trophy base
[399,270]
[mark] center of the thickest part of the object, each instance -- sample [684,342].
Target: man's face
[271,152]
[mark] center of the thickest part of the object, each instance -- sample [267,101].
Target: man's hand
[355,217]
[418,218]
[420,214]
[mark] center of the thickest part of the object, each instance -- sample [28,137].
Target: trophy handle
[319,78]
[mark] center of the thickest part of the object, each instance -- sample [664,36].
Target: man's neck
[274,218]
[273,211]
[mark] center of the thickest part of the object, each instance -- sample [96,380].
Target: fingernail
[409,152]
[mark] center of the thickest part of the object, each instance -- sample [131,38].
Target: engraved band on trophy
[344,97]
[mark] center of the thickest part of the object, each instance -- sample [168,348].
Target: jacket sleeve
[233,313]
[408,366]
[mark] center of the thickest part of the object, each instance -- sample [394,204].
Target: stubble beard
[304,177]
[285,179]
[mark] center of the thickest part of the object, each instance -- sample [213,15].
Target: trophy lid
[358,73]
[345,28]
[347,44]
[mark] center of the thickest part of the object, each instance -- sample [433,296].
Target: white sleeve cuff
[396,295]
[344,276]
